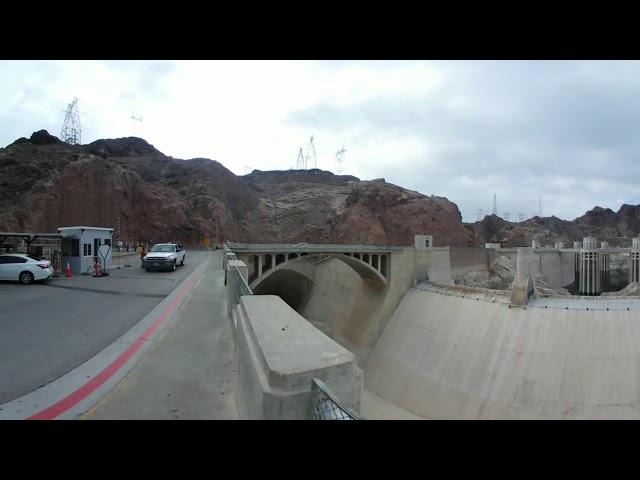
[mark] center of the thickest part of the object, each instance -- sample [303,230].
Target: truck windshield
[162,248]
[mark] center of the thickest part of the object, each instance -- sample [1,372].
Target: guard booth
[83,246]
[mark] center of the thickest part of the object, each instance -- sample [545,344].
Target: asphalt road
[48,329]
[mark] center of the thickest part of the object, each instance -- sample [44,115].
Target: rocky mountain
[617,228]
[46,184]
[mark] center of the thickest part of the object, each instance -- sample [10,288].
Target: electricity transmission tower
[311,147]
[540,206]
[340,159]
[521,217]
[71,132]
[300,162]
[479,212]
[495,205]
[133,121]
[506,216]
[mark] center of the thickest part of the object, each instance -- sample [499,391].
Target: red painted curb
[96,382]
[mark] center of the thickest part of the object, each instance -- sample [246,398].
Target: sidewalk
[189,372]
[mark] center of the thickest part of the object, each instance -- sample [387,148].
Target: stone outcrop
[617,228]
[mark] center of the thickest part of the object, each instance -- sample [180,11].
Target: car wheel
[182,262]
[26,278]
[173,266]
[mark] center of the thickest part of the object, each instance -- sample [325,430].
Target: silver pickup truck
[164,256]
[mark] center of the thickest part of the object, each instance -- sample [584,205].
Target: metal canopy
[28,237]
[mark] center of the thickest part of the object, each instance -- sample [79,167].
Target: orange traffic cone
[97,269]
[68,273]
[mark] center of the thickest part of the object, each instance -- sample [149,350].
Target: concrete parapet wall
[466,260]
[433,265]
[278,352]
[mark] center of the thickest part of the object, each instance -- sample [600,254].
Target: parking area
[47,329]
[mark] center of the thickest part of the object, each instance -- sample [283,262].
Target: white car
[24,268]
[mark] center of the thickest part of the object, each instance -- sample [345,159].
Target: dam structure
[393,336]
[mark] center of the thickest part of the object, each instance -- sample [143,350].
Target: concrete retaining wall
[466,260]
[357,310]
[433,265]
[556,265]
[456,357]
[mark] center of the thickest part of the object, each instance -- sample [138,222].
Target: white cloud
[563,131]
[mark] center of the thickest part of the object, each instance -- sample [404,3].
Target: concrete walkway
[189,372]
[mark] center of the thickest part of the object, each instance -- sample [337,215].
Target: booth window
[70,247]
[87,249]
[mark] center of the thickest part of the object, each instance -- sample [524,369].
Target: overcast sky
[560,131]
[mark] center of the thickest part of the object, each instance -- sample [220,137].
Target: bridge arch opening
[267,262]
[294,288]
[280,259]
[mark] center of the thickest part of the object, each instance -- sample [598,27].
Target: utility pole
[495,205]
[217,232]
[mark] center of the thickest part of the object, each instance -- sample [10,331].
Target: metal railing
[326,406]
[240,288]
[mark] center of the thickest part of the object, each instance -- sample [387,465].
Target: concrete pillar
[635,267]
[558,245]
[634,271]
[535,244]
[589,243]
[524,260]
[577,245]
[589,273]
